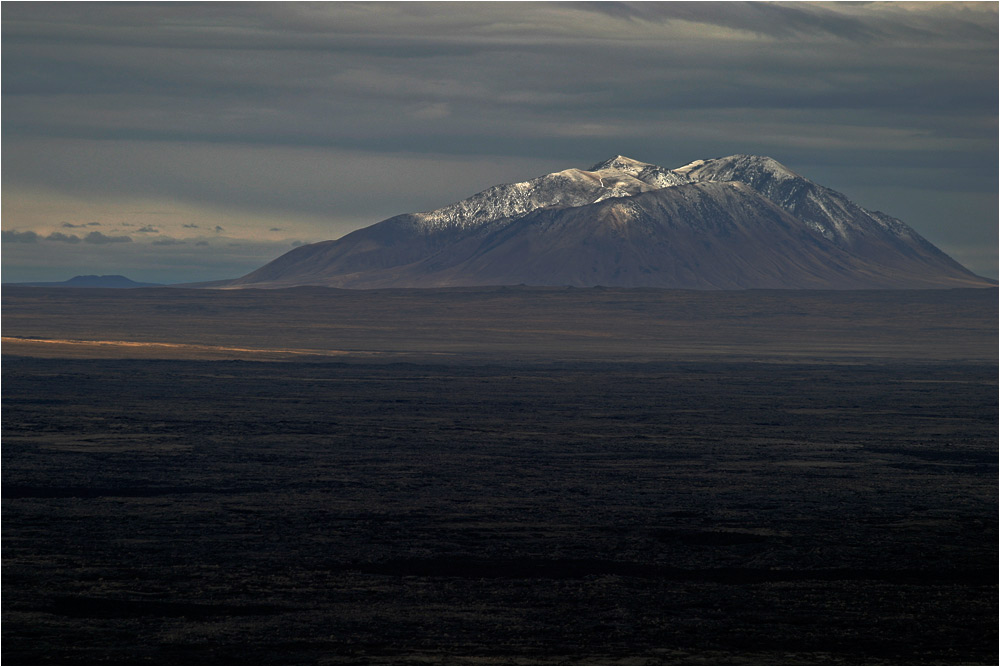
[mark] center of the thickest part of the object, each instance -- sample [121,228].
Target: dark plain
[592,482]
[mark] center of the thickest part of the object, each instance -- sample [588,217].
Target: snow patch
[688,167]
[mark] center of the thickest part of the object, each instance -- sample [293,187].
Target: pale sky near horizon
[177,142]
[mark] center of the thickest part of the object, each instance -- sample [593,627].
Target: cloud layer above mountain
[283,122]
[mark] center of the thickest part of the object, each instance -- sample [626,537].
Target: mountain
[880,238]
[116,281]
[737,222]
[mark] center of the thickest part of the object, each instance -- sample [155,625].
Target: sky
[180,142]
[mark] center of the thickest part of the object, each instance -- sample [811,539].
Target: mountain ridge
[805,236]
[107,282]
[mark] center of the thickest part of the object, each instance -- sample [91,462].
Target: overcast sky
[194,141]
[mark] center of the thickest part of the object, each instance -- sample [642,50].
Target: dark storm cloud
[14,236]
[771,19]
[148,229]
[257,26]
[851,22]
[808,20]
[276,74]
[64,238]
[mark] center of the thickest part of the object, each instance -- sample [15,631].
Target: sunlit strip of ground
[54,347]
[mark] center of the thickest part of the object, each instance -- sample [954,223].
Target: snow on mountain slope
[695,236]
[411,237]
[828,212]
[570,187]
[851,227]
[651,174]
[741,221]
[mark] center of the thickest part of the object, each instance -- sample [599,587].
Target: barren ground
[499,476]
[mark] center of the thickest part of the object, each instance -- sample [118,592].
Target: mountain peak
[621,163]
[742,164]
[761,162]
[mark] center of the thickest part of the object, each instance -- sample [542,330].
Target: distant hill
[116,282]
[738,222]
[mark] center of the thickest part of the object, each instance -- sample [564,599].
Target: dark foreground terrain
[698,508]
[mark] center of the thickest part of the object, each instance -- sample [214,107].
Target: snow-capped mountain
[617,177]
[727,223]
